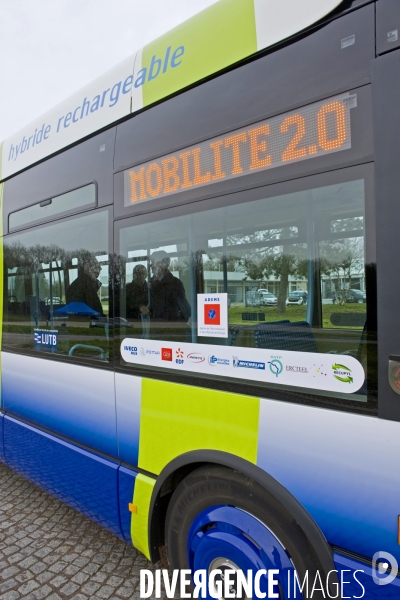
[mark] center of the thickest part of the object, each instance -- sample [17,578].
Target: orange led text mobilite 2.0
[307,133]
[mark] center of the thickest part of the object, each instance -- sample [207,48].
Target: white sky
[51,48]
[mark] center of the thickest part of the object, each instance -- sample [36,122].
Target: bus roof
[219,36]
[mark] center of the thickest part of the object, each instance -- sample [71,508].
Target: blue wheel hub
[225,537]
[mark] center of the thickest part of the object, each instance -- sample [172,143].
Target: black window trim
[62,215]
[84,362]
[363,171]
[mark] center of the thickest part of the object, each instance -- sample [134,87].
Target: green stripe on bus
[139,521]
[218,37]
[1,270]
[179,418]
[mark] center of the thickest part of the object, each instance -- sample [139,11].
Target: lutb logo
[179,357]
[212,314]
[166,354]
[342,373]
[195,357]
[276,367]
[46,339]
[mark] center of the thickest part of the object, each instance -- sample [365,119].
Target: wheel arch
[180,467]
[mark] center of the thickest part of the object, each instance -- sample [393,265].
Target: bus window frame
[70,359]
[70,169]
[363,171]
[61,215]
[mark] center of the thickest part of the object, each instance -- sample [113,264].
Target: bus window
[56,289]
[290,270]
[74,201]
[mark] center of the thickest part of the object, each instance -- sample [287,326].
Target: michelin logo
[248,364]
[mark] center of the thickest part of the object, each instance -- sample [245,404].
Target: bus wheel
[220,519]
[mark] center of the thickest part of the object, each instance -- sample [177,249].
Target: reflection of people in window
[137,294]
[167,294]
[86,286]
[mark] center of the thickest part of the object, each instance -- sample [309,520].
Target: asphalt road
[48,550]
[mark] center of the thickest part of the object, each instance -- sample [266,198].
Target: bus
[200,331]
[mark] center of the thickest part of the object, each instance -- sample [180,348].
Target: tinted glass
[281,274]
[56,289]
[84,197]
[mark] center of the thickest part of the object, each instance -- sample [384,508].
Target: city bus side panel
[2,458]
[386,98]
[75,402]
[340,467]
[342,486]
[77,477]
[178,418]
[60,428]
[313,68]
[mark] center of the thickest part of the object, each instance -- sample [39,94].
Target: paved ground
[48,550]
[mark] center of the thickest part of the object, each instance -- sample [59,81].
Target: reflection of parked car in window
[356,296]
[268,299]
[252,299]
[55,299]
[298,297]
[102,321]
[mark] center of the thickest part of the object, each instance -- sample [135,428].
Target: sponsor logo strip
[297,369]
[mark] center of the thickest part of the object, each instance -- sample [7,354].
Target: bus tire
[220,518]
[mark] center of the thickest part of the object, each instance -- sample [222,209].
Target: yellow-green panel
[1,167]
[1,214]
[219,36]
[139,521]
[178,418]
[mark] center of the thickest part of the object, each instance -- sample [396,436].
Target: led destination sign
[315,130]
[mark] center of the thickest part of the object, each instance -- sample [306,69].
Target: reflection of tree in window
[265,257]
[40,272]
[342,261]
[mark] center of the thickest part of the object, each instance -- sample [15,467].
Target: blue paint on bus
[81,479]
[72,401]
